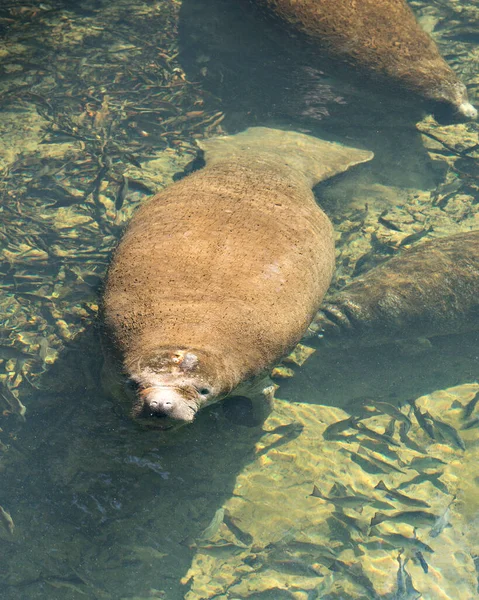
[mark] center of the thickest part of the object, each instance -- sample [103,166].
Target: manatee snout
[167,402]
[467,111]
[453,106]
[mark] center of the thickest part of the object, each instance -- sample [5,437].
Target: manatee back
[233,259]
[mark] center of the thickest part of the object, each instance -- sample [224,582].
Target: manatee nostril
[158,409]
[160,405]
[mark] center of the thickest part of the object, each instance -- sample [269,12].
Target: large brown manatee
[219,275]
[379,39]
[431,289]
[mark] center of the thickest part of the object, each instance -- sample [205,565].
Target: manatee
[380,40]
[219,275]
[431,289]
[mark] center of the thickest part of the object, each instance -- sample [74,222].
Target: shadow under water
[101,508]
[267,78]
[398,372]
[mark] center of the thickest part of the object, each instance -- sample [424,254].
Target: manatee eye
[204,391]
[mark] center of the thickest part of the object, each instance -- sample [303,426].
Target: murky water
[362,481]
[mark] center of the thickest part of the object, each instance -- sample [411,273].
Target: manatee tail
[315,159]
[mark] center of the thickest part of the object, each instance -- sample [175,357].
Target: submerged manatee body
[220,274]
[431,289]
[382,40]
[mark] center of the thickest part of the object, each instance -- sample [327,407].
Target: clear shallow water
[219,510]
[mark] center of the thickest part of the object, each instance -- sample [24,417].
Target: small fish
[414,237]
[405,588]
[6,520]
[378,544]
[425,462]
[471,424]
[375,435]
[443,521]
[391,410]
[445,191]
[431,477]
[422,561]
[294,566]
[221,550]
[407,441]
[62,584]
[400,497]
[132,159]
[350,522]
[244,537]
[380,448]
[332,431]
[381,505]
[416,518]
[61,197]
[366,465]
[122,193]
[379,462]
[387,222]
[390,428]
[447,432]
[94,186]
[213,527]
[357,502]
[355,573]
[363,261]
[338,489]
[310,548]
[470,406]
[401,541]
[423,423]
[339,530]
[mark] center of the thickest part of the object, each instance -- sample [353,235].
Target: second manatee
[431,289]
[380,40]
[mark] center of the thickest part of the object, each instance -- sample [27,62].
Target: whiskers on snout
[178,403]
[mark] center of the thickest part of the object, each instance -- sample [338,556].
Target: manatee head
[170,386]
[451,103]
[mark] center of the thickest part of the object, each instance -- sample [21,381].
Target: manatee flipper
[264,405]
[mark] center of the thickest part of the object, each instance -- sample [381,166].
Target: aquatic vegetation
[98,112]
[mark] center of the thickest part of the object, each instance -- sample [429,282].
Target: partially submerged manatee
[431,289]
[219,275]
[379,39]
